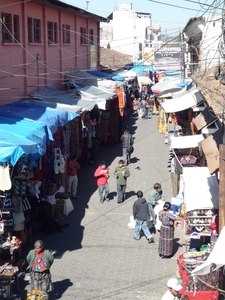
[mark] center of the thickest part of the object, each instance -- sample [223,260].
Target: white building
[202,38]
[127,31]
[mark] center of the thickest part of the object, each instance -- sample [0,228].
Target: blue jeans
[121,192]
[126,156]
[101,190]
[141,225]
[151,211]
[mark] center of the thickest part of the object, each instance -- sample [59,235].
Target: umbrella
[168,93]
[162,86]
[144,80]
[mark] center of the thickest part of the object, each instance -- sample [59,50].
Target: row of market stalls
[40,133]
[197,150]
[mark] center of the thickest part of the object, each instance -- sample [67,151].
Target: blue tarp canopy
[52,118]
[12,146]
[140,68]
[26,130]
[100,74]
[135,71]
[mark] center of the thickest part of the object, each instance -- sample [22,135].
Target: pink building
[41,40]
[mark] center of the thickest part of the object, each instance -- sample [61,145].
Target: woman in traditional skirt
[40,261]
[166,231]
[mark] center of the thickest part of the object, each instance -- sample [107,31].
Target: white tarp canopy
[191,98]
[201,190]
[188,141]
[65,100]
[216,258]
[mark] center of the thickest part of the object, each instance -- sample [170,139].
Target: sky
[170,17]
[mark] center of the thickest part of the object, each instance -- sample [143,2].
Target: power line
[172,5]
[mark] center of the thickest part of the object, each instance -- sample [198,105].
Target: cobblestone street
[96,256]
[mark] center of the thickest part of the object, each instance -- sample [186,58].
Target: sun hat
[174,284]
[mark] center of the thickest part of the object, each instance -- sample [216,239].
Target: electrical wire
[172,5]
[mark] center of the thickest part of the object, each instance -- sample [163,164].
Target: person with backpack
[127,145]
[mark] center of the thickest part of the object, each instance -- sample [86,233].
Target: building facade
[41,40]
[127,31]
[202,37]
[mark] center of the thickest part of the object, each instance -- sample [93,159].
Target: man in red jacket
[102,175]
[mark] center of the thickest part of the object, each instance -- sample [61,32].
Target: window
[10,28]
[91,36]
[6,28]
[66,34]
[52,32]
[37,31]
[83,39]
[16,28]
[34,30]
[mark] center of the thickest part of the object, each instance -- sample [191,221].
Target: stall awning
[210,147]
[201,190]
[204,118]
[188,141]
[190,99]
[52,118]
[13,146]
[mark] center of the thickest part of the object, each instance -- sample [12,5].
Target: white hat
[174,284]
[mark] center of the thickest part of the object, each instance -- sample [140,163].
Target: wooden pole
[221,187]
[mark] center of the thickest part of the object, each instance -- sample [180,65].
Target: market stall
[201,201]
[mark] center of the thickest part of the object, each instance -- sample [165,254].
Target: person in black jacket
[141,215]
[127,142]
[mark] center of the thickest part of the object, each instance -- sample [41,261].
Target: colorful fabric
[39,263]
[162,122]
[41,281]
[166,233]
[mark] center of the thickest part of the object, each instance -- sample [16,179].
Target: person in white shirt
[173,290]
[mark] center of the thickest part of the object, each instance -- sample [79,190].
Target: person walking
[155,195]
[141,215]
[122,173]
[72,179]
[40,261]
[166,236]
[176,170]
[102,175]
[127,143]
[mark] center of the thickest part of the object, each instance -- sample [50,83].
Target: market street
[96,257]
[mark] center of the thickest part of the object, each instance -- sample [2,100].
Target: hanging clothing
[162,121]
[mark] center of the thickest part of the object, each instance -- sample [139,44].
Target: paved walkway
[96,256]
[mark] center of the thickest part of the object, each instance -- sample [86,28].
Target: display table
[11,277]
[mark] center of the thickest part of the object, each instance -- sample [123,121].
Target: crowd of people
[149,215]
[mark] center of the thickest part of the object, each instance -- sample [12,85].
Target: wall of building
[210,42]
[128,31]
[28,66]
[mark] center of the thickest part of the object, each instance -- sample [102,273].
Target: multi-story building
[127,31]
[202,37]
[41,40]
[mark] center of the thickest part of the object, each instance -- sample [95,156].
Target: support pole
[221,187]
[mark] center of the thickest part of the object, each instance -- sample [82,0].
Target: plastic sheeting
[25,130]
[188,141]
[188,100]
[201,190]
[52,118]
[12,146]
